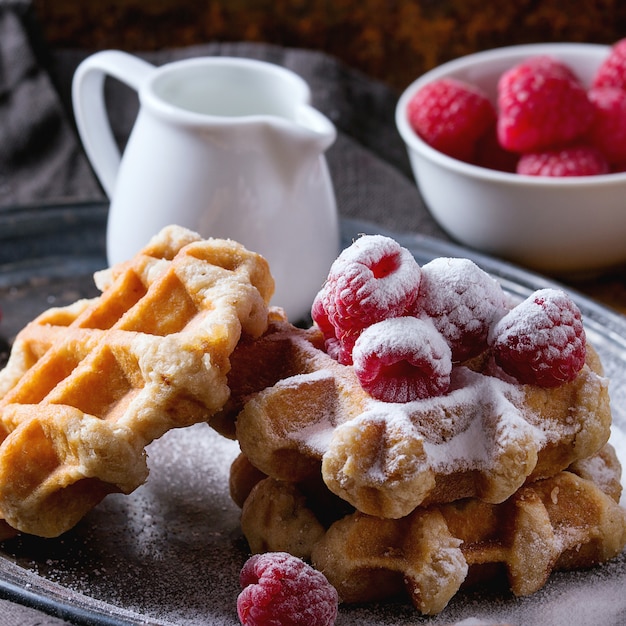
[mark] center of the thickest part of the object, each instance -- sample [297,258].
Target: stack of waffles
[492,477]
[402,444]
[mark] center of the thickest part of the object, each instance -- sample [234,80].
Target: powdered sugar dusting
[483,298]
[463,302]
[466,445]
[171,554]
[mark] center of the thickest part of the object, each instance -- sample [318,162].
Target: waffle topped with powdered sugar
[401,398]
[424,431]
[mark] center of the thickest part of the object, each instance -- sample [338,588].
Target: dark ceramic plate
[170,553]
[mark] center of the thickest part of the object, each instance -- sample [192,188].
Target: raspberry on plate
[541,105]
[580,160]
[612,72]
[279,589]
[463,302]
[371,280]
[608,131]
[541,341]
[451,116]
[402,359]
[319,314]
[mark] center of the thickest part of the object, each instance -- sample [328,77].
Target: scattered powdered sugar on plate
[171,553]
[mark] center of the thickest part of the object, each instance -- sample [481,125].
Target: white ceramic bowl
[560,226]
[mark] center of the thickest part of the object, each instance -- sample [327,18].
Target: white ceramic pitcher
[228,147]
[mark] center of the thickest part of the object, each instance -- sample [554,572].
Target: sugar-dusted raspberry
[541,341]
[332,344]
[320,315]
[373,279]
[463,302]
[451,115]
[578,160]
[608,131]
[282,590]
[612,71]
[541,105]
[338,339]
[402,359]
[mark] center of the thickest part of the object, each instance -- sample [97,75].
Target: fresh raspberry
[541,341]
[541,105]
[490,154]
[339,337]
[333,347]
[451,116]
[580,160]
[282,590]
[402,359]
[463,302]
[373,279]
[320,315]
[612,71]
[608,131]
[545,63]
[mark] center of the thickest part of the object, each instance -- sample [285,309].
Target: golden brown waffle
[558,523]
[88,386]
[297,410]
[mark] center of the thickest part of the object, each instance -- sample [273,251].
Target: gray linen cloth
[39,155]
[42,162]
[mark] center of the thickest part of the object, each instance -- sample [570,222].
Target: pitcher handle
[90,111]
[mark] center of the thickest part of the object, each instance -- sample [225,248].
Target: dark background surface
[393,40]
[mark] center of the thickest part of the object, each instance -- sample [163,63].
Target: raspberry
[541,341]
[451,116]
[331,341]
[462,301]
[608,131]
[544,63]
[402,359]
[581,160]
[282,590]
[541,105]
[373,279]
[490,154]
[612,72]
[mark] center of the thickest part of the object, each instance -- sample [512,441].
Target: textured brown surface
[394,40]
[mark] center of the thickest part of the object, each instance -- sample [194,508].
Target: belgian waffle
[296,411]
[88,386]
[564,522]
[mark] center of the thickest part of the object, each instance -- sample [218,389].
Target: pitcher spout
[319,130]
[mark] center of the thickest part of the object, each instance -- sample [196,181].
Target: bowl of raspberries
[520,152]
